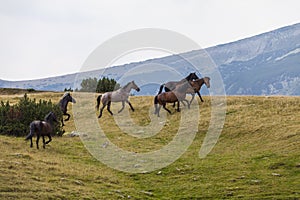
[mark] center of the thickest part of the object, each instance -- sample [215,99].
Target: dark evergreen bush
[15,119]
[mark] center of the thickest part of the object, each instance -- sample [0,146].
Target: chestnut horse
[120,95]
[42,128]
[196,86]
[176,95]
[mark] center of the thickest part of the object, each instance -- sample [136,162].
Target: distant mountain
[266,64]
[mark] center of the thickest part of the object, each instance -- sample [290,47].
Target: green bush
[15,119]
[102,85]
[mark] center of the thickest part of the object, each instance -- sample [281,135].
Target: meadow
[256,157]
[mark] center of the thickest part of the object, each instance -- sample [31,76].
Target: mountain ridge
[269,62]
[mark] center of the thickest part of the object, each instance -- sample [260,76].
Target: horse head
[206,81]
[192,76]
[67,97]
[134,86]
[50,117]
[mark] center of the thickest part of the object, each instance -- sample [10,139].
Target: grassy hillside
[256,157]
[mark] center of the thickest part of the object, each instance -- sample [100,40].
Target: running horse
[176,95]
[63,104]
[120,95]
[172,84]
[42,128]
[196,86]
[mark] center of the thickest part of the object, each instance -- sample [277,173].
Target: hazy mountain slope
[266,64]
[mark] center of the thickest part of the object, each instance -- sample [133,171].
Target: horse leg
[193,96]
[178,106]
[101,110]
[31,144]
[199,96]
[164,106]
[130,105]
[123,105]
[158,109]
[37,140]
[188,103]
[50,139]
[44,143]
[108,107]
[62,122]
[68,116]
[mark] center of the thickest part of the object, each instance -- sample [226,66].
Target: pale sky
[44,38]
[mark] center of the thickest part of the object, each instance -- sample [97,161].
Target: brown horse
[196,86]
[176,95]
[120,95]
[172,84]
[63,104]
[42,128]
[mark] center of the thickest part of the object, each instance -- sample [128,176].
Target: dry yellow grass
[256,157]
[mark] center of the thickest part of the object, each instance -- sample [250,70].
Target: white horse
[120,95]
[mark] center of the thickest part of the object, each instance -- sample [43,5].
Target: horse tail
[161,88]
[155,103]
[30,135]
[98,101]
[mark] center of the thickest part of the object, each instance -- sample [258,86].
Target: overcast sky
[44,38]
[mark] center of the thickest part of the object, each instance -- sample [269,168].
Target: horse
[172,84]
[42,128]
[120,95]
[196,86]
[176,95]
[63,104]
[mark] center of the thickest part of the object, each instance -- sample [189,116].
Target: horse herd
[175,92]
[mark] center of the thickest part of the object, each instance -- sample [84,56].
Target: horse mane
[47,117]
[66,94]
[126,85]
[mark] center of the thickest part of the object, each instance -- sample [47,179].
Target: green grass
[257,157]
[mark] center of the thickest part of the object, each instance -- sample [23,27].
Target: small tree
[89,85]
[105,85]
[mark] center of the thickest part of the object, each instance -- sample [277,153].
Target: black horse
[63,104]
[42,128]
[172,84]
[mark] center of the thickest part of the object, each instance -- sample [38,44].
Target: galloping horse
[63,104]
[120,95]
[172,84]
[42,128]
[196,86]
[176,95]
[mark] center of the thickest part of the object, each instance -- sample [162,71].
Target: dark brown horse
[63,104]
[176,95]
[42,128]
[172,84]
[120,95]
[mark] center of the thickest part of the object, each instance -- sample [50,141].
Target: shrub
[15,119]
[102,85]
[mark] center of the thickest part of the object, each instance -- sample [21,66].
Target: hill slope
[256,157]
